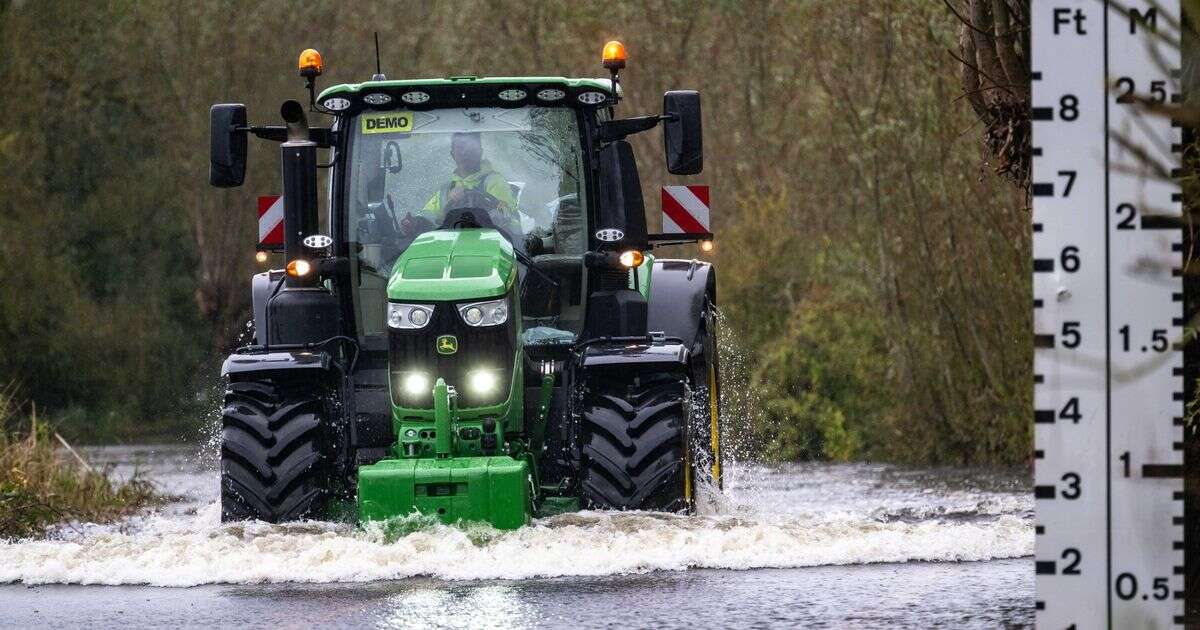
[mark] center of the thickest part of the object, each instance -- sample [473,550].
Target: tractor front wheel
[275,453]
[632,455]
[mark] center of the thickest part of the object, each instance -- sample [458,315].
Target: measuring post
[1108,315]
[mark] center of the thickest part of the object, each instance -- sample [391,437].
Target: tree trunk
[993,48]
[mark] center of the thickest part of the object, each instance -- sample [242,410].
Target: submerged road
[811,545]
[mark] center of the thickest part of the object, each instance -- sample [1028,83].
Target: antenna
[378,72]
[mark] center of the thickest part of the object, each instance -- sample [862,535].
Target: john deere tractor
[473,326]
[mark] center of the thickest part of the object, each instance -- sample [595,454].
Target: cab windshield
[519,170]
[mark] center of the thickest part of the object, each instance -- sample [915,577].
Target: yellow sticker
[387,122]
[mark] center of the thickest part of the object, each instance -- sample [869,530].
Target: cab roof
[471,91]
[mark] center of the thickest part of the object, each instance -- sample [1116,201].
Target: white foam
[186,551]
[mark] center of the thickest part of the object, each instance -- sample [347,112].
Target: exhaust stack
[298,157]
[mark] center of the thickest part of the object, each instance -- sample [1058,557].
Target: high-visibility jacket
[484,180]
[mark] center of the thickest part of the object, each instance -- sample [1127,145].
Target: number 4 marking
[1070,411]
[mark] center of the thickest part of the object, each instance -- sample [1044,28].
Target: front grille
[612,279]
[488,347]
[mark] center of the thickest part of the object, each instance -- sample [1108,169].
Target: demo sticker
[387,122]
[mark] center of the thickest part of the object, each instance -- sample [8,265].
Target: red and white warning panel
[270,222]
[685,210]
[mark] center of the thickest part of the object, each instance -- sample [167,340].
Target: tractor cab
[483,333]
[515,166]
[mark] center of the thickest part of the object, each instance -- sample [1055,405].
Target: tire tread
[272,468]
[632,454]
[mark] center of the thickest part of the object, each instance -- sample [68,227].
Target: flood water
[807,545]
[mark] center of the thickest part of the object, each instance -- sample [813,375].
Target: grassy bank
[43,481]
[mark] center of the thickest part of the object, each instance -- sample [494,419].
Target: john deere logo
[447,344]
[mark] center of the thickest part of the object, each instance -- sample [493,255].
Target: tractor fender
[636,355]
[678,289]
[242,364]
[261,288]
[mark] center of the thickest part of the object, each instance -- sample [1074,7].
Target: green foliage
[97,302]
[823,381]
[873,272]
[879,277]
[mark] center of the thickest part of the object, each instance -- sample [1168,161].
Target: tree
[993,50]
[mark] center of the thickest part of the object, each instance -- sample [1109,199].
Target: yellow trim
[715,430]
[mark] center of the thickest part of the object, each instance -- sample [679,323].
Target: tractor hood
[453,265]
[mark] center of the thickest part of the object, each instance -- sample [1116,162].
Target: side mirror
[227,139]
[682,137]
[622,214]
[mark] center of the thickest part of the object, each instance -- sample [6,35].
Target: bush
[823,381]
[41,485]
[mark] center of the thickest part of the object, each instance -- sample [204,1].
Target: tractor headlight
[408,315]
[491,313]
[416,384]
[483,381]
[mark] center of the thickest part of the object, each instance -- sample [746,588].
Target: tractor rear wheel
[633,433]
[275,453]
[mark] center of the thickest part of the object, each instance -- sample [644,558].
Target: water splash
[740,403]
[171,552]
[789,516]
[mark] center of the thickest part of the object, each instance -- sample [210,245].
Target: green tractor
[474,327]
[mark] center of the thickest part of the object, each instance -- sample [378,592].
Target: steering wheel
[474,217]
[460,214]
[473,198]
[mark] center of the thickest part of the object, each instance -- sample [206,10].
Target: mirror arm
[619,129]
[323,136]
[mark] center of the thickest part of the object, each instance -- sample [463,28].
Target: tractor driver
[473,184]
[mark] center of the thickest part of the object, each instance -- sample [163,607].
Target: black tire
[274,451]
[632,455]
